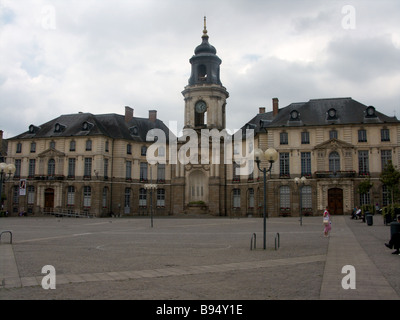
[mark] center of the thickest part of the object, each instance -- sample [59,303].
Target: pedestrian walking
[327,222]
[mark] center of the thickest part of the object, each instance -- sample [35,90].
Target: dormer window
[332,114]
[294,115]
[134,131]
[59,127]
[33,129]
[370,112]
[86,126]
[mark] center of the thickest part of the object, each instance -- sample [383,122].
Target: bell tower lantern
[205,97]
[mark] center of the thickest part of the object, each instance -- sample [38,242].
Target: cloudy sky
[98,56]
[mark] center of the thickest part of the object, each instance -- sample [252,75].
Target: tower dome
[205,47]
[205,63]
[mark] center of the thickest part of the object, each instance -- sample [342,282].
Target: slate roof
[110,125]
[315,113]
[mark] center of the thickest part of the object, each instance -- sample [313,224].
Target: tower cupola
[205,63]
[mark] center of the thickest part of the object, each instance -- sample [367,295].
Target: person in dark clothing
[395,241]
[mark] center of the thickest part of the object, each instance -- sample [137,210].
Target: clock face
[201,107]
[332,113]
[294,114]
[370,111]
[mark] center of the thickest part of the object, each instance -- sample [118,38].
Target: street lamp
[6,171]
[300,182]
[151,187]
[271,155]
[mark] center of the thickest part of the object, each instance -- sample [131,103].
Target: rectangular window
[160,197]
[71,196]
[89,145]
[306,163]
[128,170]
[105,168]
[88,168]
[236,171]
[33,147]
[386,156]
[72,145]
[284,164]
[284,197]
[17,168]
[142,197]
[105,196]
[161,173]
[333,134]
[385,136]
[305,137]
[364,199]
[385,196]
[32,168]
[306,198]
[87,196]
[363,163]
[71,168]
[236,198]
[251,198]
[362,135]
[143,171]
[31,195]
[284,138]
[19,147]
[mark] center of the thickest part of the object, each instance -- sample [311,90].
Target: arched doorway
[335,201]
[49,198]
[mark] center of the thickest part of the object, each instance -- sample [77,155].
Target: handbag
[326,220]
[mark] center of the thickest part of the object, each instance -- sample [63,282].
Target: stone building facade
[99,164]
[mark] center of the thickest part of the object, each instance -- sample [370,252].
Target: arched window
[87,197]
[284,197]
[105,197]
[127,202]
[250,198]
[334,162]
[236,198]
[142,197]
[306,198]
[202,72]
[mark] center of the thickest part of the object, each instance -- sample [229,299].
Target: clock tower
[199,185]
[205,97]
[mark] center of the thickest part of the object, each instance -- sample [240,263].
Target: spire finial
[205,27]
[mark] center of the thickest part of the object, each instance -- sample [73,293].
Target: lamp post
[271,155]
[151,187]
[6,171]
[300,182]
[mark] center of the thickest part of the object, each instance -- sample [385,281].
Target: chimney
[153,115]
[275,106]
[262,110]
[128,114]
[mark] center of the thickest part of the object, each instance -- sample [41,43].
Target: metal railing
[60,212]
